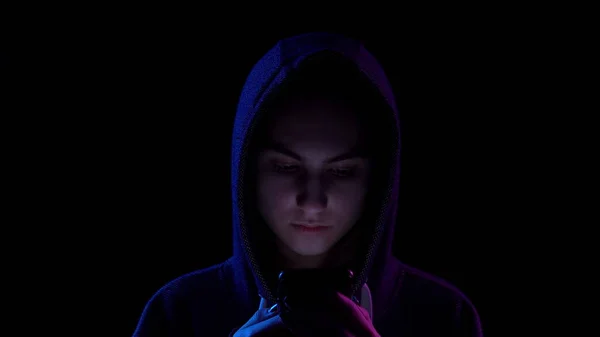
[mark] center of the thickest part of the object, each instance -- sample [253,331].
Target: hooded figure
[315,177]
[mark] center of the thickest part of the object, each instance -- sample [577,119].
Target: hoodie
[401,300]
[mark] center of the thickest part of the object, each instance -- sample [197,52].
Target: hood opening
[331,75]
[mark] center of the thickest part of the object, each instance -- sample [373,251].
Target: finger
[352,312]
[345,305]
[263,312]
[264,323]
[263,304]
[338,311]
[258,316]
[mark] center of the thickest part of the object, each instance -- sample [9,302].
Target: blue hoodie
[401,300]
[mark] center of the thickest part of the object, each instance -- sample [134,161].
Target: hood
[265,77]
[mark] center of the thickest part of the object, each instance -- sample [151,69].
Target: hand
[338,316]
[263,324]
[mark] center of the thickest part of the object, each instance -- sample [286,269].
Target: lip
[310,229]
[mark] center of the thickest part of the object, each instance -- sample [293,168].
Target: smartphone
[305,288]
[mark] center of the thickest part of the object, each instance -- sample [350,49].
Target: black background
[141,106]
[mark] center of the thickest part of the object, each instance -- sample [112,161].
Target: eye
[285,168]
[343,172]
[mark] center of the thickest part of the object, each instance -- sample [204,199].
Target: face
[312,176]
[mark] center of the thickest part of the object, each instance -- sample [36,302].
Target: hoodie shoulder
[433,305]
[194,295]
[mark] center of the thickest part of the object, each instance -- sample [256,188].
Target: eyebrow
[281,148]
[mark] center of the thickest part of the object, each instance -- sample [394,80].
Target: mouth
[310,228]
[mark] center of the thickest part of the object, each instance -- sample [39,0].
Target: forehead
[315,121]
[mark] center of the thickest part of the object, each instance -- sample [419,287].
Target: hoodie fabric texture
[217,300]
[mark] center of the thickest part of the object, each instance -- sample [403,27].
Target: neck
[288,259]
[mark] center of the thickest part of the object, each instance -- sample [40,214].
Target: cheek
[275,196]
[348,197]
[352,190]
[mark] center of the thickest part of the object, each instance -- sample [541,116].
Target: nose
[312,198]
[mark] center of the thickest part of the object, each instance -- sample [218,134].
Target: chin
[310,250]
